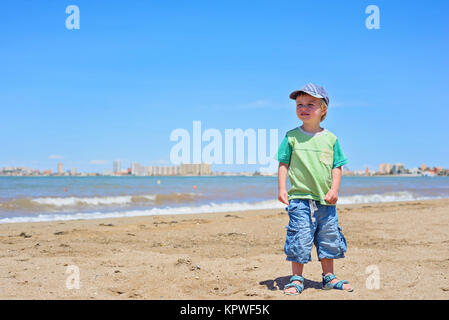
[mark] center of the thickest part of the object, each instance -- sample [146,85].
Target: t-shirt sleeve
[339,157]
[284,152]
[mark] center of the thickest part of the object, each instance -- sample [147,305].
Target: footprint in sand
[23,234]
[232,216]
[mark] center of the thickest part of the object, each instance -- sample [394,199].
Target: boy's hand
[283,196]
[331,197]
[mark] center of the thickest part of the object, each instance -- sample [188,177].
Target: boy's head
[311,101]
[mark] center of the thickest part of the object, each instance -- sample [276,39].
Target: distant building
[387,168]
[188,169]
[346,171]
[398,168]
[429,173]
[205,169]
[384,168]
[195,169]
[73,171]
[148,170]
[134,167]
[116,166]
[170,171]
[60,168]
[137,169]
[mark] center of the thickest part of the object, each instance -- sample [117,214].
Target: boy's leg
[299,240]
[300,230]
[329,240]
[328,268]
[297,269]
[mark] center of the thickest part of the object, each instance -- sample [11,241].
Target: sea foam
[205,208]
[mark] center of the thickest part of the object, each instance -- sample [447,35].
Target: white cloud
[255,104]
[55,156]
[99,162]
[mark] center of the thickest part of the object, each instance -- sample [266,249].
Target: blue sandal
[327,285]
[299,287]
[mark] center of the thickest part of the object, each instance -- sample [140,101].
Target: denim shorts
[313,223]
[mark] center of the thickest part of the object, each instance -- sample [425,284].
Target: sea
[43,198]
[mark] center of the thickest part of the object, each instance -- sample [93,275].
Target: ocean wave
[384,197]
[211,208]
[60,203]
[91,201]
[207,208]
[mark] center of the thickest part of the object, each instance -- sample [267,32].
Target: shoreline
[136,212]
[226,255]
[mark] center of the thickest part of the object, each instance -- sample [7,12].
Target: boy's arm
[283,156]
[339,160]
[282,182]
[332,196]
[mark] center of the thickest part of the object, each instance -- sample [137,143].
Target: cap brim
[294,94]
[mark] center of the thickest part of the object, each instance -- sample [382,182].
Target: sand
[396,250]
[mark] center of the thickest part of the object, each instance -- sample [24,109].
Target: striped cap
[313,90]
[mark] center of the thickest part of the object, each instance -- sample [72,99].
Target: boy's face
[308,108]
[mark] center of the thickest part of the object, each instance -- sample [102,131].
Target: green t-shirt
[311,158]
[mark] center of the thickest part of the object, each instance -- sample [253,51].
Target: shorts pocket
[292,205]
[291,246]
[343,244]
[298,245]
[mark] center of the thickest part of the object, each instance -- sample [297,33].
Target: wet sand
[236,255]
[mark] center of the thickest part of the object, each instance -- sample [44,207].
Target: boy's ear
[323,115]
[324,110]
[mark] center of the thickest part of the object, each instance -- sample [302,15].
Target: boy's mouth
[305,114]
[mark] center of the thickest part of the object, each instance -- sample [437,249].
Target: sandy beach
[236,255]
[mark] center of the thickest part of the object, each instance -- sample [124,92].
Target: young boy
[313,158]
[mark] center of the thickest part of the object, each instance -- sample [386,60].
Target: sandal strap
[297,278]
[299,287]
[328,278]
[339,285]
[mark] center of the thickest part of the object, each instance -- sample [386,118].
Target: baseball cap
[313,90]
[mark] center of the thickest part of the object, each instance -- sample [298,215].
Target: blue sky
[137,70]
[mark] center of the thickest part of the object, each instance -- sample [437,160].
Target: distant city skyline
[116,165]
[199,169]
